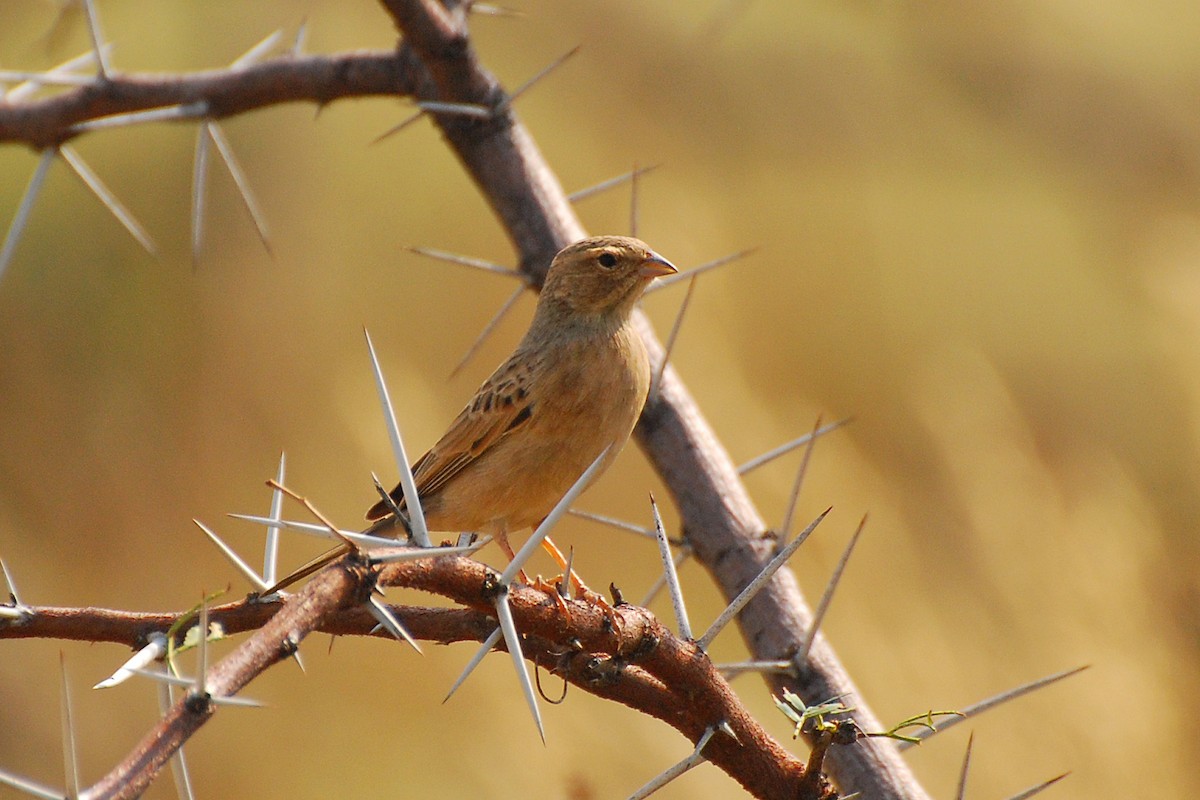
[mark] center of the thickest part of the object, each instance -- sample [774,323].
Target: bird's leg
[555,588]
[502,540]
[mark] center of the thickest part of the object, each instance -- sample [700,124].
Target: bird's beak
[656,266]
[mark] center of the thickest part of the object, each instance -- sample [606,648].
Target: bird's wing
[501,406]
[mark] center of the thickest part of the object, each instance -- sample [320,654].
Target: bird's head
[602,276]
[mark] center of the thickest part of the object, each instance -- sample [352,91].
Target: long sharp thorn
[788,447]
[23,91]
[483,650]
[271,548]
[417,553]
[153,651]
[182,776]
[827,596]
[179,768]
[110,201]
[487,331]
[801,471]
[491,10]
[171,680]
[656,382]
[412,501]
[165,698]
[163,676]
[921,734]
[199,179]
[731,671]
[634,196]
[1038,789]
[388,620]
[166,694]
[93,26]
[961,792]
[681,555]
[313,529]
[21,218]
[665,777]
[603,186]
[385,496]
[392,131]
[70,755]
[312,509]
[301,39]
[36,80]
[12,586]
[30,787]
[551,519]
[747,594]
[504,616]
[455,109]
[197,110]
[543,72]
[258,51]
[238,702]
[426,107]
[663,283]
[467,261]
[672,578]
[225,151]
[620,524]
[241,566]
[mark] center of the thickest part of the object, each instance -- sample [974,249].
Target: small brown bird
[575,385]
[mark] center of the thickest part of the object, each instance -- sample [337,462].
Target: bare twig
[225,92]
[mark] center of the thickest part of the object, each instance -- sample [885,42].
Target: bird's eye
[607,260]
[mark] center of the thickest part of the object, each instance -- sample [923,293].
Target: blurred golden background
[980,237]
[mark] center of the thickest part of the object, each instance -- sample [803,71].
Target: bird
[573,389]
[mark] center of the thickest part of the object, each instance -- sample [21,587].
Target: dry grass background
[980,231]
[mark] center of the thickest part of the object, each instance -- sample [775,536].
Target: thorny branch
[436,62]
[638,662]
[222,93]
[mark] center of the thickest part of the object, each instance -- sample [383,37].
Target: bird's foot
[570,585]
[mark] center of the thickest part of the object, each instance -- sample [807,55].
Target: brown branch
[638,663]
[686,692]
[318,79]
[332,589]
[133,629]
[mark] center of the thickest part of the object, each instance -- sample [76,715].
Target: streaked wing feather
[500,407]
